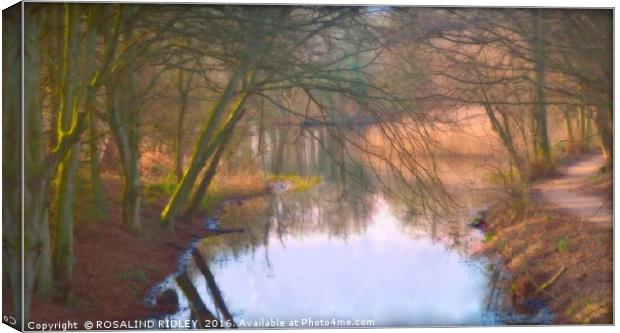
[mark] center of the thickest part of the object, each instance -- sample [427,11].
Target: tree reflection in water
[354,240]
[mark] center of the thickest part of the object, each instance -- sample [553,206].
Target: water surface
[343,252]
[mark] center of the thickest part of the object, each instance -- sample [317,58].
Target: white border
[463,3]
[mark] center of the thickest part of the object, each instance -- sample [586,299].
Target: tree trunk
[589,118]
[12,162]
[604,123]
[131,194]
[45,275]
[210,172]
[572,146]
[278,161]
[37,232]
[63,249]
[583,135]
[300,149]
[131,197]
[541,138]
[204,147]
[120,109]
[96,188]
[503,131]
[56,51]
[180,134]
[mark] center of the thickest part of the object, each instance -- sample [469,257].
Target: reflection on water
[381,274]
[339,251]
[304,256]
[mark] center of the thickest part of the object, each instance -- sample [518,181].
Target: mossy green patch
[297,182]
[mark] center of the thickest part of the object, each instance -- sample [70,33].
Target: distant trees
[584,56]
[518,61]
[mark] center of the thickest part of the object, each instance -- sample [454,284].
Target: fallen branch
[553,278]
[541,289]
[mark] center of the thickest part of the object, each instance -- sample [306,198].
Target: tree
[273,52]
[67,167]
[42,166]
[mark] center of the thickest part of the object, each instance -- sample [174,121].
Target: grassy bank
[227,186]
[556,257]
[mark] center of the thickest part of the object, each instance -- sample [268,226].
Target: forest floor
[557,245]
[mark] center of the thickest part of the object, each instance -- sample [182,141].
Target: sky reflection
[383,274]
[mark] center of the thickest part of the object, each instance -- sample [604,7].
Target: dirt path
[562,191]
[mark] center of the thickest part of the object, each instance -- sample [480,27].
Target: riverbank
[555,254]
[115,268]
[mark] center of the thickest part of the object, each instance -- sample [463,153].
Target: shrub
[165,188]
[562,244]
